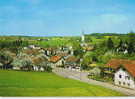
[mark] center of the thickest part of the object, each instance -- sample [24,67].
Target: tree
[88,58]
[41,61]
[24,64]
[106,57]
[5,59]
[78,52]
[17,63]
[46,66]
[94,58]
[110,44]
[122,46]
[121,43]
[1,65]
[96,71]
[131,48]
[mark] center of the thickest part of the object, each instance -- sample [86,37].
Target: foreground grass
[18,83]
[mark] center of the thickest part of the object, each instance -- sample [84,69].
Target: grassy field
[18,83]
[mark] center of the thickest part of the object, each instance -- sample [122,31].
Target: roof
[88,48]
[54,59]
[63,54]
[38,60]
[50,49]
[71,59]
[129,65]
[31,51]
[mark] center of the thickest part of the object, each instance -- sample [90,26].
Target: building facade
[123,78]
[124,72]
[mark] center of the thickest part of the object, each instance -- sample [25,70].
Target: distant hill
[106,34]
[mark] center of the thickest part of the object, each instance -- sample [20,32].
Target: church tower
[83,37]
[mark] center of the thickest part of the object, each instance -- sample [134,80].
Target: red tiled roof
[129,65]
[130,68]
[55,58]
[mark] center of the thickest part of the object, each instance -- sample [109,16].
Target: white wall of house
[58,63]
[124,78]
[35,68]
[16,68]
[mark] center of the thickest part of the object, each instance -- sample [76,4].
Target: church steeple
[83,36]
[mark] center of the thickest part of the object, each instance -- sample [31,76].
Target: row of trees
[13,45]
[128,44]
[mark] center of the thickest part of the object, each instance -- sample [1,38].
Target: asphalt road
[82,76]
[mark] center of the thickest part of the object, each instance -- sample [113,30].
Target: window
[120,76]
[123,83]
[128,84]
[110,69]
[124,69]
[127,77]
[119,83]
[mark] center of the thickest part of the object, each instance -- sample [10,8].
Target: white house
[124,78]
[72,63]
[56,61]
[124,74]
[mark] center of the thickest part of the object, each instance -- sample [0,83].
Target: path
[82,76]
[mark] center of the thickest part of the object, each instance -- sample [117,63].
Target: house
[50,51]
[124,74]
[63,49]
[56,61]
[71,62]
[39,63]
[122,47]
[31,46]
[42,39]
[88,48]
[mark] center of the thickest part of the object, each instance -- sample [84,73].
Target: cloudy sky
[65,17]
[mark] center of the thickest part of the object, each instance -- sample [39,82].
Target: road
[82,76]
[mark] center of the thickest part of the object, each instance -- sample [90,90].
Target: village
[67,48]
[120,72]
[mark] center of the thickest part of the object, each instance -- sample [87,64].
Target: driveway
[82,76]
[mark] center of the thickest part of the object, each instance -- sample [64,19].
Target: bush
[96,71]
[48,69]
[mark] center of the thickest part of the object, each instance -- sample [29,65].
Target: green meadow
[21,83]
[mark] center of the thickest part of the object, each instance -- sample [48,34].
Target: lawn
[18,83]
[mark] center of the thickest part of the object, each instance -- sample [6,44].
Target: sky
[65,17]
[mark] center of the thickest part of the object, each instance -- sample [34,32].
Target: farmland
[20,83]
